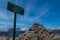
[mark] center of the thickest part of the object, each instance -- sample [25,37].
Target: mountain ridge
[19,32]
[9,33]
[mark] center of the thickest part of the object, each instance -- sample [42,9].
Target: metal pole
[14,30]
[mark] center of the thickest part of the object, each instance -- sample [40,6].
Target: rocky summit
[38,32]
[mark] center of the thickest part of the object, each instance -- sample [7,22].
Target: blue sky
[45,12]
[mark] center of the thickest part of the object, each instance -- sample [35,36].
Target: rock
[37,32]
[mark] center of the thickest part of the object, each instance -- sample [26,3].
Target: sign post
[15,9]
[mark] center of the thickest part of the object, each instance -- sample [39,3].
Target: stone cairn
[37,32]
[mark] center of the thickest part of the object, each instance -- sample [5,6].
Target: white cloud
[20,24]
[6,23]
[29,7]
[51,26]
[3,15]
[23,28]
[55,28]
[10,23]
[43,10]
[4,28]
